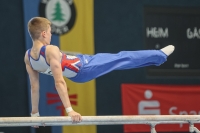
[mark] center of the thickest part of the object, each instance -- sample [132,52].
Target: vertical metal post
[153,130]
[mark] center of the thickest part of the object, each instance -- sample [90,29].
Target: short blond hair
[36,25]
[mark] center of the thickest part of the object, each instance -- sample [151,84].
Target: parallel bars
[151,120]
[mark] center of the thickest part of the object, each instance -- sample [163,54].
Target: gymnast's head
[40,29]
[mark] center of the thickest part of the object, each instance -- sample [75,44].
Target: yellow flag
[80,39]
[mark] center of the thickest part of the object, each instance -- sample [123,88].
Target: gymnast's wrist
[35,114]
[69,109]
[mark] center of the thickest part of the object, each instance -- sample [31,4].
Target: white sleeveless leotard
[70,64]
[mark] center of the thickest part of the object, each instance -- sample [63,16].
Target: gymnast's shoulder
[52,50]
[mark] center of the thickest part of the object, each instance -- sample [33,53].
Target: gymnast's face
[48,36]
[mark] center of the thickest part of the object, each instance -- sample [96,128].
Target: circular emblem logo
[61,13]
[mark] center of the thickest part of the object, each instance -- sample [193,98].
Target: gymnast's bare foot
[168,49]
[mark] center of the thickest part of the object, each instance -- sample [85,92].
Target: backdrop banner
[150,99]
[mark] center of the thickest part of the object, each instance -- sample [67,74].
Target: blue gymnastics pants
[94,66]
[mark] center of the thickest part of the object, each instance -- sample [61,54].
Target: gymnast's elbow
[34,87]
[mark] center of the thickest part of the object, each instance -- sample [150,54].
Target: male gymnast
[47,59]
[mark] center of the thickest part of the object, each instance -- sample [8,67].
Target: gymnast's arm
[34,81]
[54,57]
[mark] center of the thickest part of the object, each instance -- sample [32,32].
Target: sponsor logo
[61,13]
[148,107]
[157,32]
[193,33]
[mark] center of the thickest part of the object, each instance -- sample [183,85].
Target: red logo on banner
[142,99]
[53,98]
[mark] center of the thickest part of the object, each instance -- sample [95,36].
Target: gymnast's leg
[102,63]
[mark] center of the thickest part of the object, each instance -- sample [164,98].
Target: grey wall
[13,87]
[119,26]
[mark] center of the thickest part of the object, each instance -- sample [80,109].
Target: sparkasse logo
[61,13]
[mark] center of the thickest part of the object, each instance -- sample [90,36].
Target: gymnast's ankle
[168,49]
